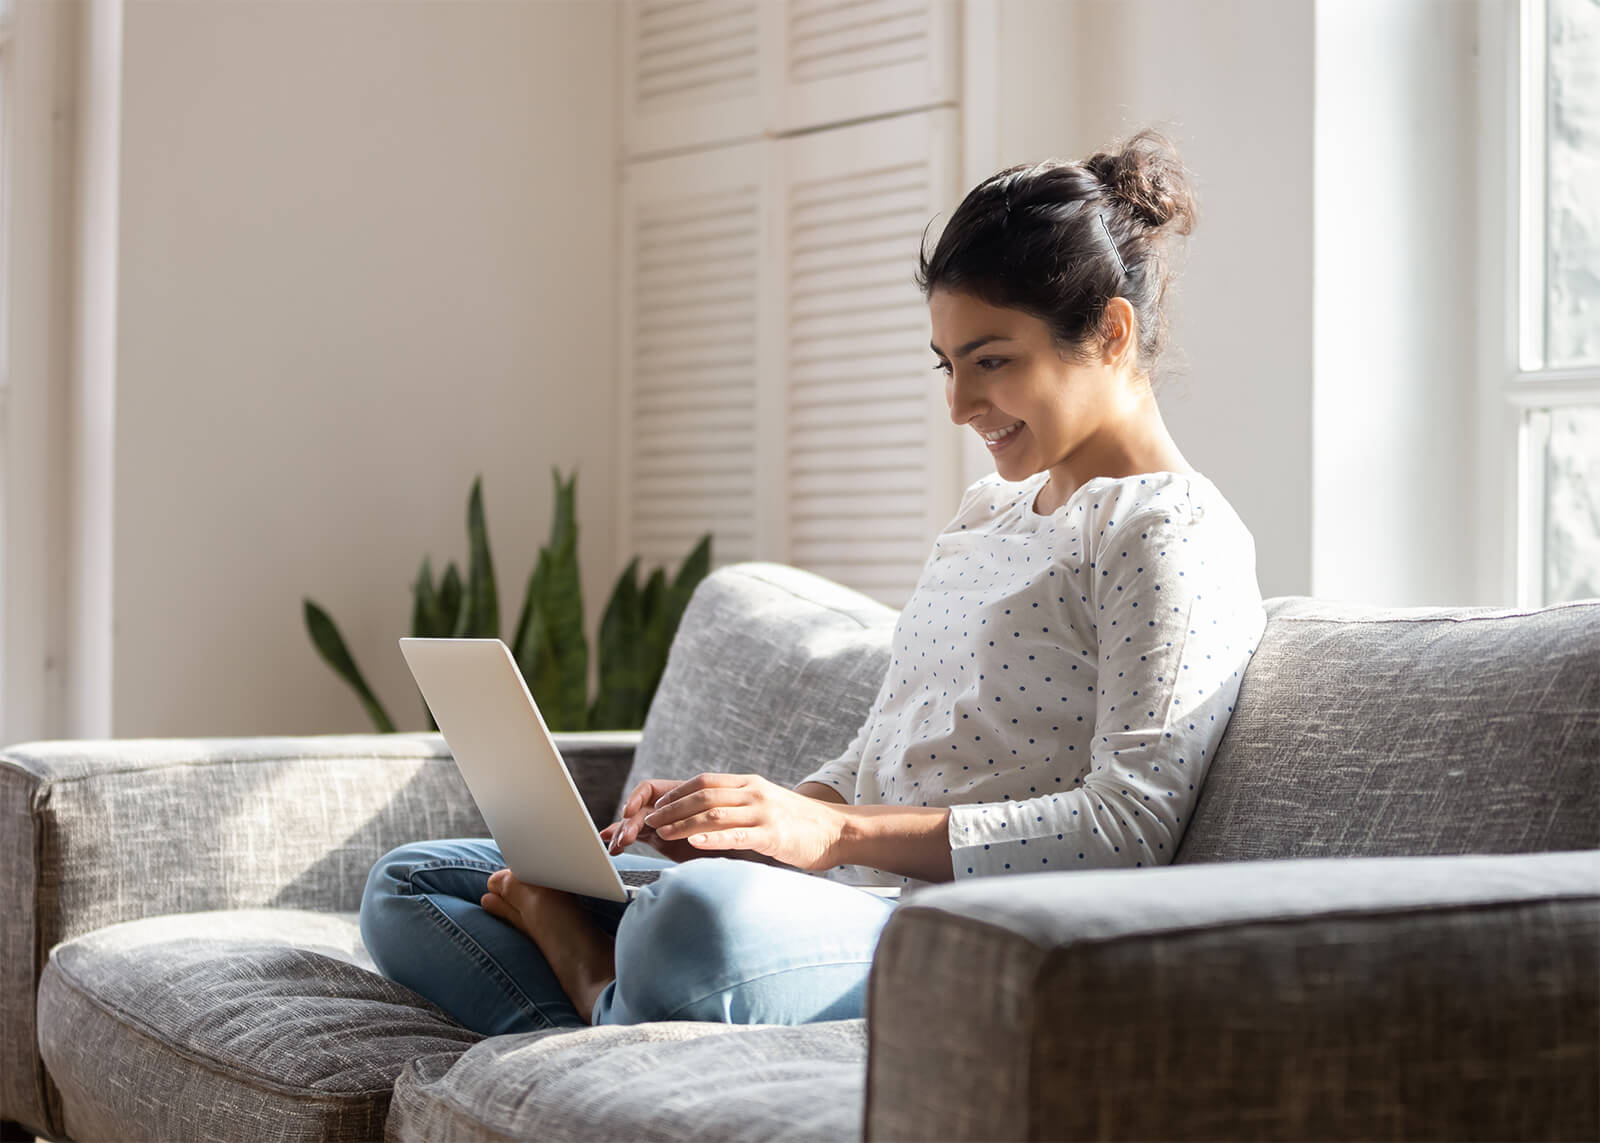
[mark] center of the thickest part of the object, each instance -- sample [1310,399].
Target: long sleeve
[1176,616]
[841,772]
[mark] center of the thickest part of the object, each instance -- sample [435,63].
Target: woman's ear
[1121,326]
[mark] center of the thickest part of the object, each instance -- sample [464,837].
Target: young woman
[1060,676]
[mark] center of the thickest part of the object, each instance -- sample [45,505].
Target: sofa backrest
[1367,731]
[772,671]
[1358,730]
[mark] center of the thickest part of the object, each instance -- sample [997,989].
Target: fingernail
[660,800]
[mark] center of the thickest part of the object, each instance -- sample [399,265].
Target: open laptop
[514,770]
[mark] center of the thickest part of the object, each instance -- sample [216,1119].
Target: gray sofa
[1383,921]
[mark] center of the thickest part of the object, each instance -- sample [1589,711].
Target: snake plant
[549,645]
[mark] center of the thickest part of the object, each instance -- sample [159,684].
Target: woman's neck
[1136,444]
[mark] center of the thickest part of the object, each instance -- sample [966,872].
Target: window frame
[1521,389]
[7,89]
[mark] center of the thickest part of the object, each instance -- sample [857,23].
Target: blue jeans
[713,939]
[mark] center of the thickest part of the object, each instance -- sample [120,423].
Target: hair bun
[1148,176]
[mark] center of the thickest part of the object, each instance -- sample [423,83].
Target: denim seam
[464,940]
[673,1015]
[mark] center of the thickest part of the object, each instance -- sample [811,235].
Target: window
[1556,288]
[7,19]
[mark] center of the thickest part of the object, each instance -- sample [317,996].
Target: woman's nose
[962,407]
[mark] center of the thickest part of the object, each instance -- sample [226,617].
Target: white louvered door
[872,466]
[776,385]
[692,72]
[691,289]
[850,59]
[704,72]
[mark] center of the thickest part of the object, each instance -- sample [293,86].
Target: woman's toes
[522,898]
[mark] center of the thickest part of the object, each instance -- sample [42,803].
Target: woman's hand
[619,835]
[631,828]
[742,815]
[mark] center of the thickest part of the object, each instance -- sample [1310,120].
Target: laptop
[515,772]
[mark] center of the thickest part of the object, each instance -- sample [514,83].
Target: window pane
[1572,505]
[1572,220]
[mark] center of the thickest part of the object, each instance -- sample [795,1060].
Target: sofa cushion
[206,823]
[1368,731]
[244,1025]
[706,1082]
[772,671]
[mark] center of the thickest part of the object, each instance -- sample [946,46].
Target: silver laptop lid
[511,765]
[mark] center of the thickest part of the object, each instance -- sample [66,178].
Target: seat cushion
[243,1025]
[666,1081]
[772,671]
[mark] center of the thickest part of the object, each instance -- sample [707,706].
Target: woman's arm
[809,827]
[821,792]
[913,841]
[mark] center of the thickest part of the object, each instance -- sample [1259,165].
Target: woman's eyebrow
[971,345]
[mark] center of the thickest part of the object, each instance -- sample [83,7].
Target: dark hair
[1028,238]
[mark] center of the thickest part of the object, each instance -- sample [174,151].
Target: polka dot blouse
[1061,681]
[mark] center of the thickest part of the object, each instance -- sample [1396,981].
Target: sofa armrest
[96,832]
[1412,997]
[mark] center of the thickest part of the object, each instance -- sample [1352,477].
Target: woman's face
[1001,369]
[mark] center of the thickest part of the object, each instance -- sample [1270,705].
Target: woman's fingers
[640,813]
[702,782]
[710,820]
[696,802]
[641,794]
[741,837]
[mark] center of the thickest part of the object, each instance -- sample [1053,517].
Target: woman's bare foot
[582,956]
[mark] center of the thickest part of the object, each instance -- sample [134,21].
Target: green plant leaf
[696,566]
[450,599]
[654,637]
[426,621]
[663,626]
[480,618]
[427,615]
[564,677]
[526,645]
[620,699]
[330,644]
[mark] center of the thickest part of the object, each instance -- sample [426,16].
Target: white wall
[1230,82]
[1321,348]
[366,252]
[41,218]
[346,256]
[91,428]
[1396,343]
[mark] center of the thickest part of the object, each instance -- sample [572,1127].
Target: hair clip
[1115,252]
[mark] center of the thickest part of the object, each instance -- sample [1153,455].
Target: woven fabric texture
[244,1025]
[1358,732]
[1381,998]
[100,832]
[1362,731]
[772,671]
[712,1083]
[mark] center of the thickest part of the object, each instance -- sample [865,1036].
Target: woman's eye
[987,364]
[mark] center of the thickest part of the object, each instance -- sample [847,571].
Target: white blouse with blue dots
[1061,681]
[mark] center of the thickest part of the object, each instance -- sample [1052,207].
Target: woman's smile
[1007,438]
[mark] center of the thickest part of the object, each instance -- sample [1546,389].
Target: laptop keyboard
[638,876]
